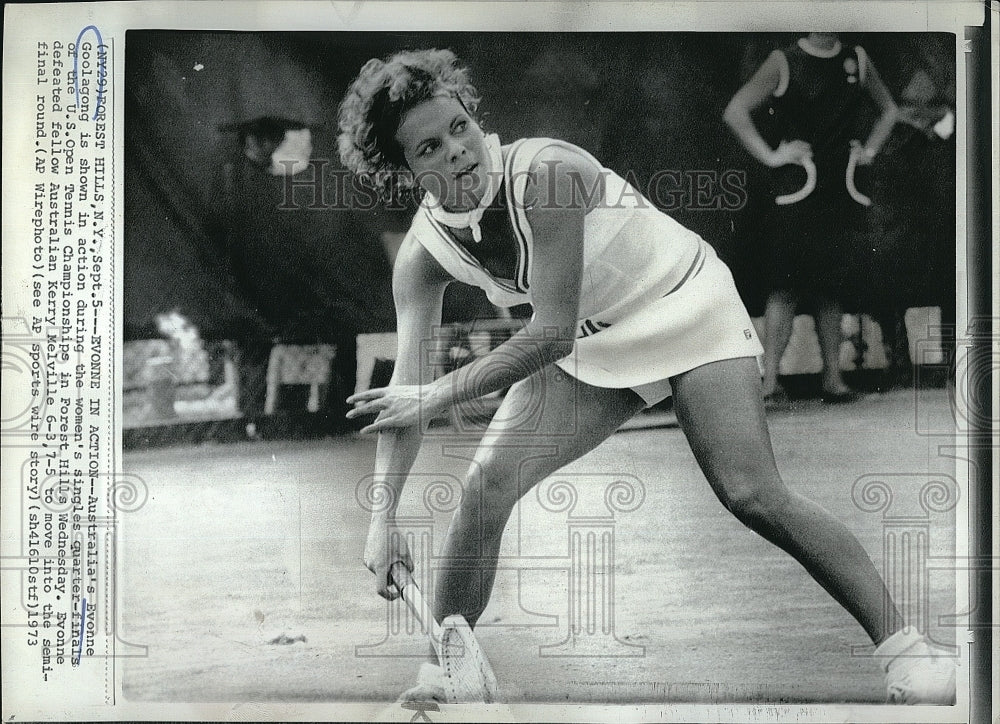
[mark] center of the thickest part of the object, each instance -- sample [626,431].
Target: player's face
[444,149]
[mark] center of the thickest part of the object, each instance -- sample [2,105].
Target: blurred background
[256,301]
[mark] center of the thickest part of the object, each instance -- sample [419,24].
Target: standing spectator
[817,88]
[913,226]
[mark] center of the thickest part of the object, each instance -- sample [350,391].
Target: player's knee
[756,501]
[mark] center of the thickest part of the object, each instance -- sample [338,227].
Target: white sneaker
[914,674]
[430,685]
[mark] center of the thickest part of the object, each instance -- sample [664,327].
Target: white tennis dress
[655,300]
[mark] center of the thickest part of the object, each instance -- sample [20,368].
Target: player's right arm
[756,92]
[418,285]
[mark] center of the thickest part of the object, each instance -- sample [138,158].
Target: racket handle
[414,599]
[401,575]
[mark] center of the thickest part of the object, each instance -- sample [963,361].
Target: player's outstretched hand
[385,547]
[397,406]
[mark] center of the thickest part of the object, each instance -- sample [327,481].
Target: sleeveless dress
[810,244]
[655,299]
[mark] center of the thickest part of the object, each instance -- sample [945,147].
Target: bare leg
[719,407]
[828,319]
[511,459]
[778,318]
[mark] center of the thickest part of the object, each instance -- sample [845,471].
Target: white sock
[905,641]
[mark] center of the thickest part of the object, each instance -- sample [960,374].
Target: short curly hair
[378,99]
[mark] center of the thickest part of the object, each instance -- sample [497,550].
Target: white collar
[470,219]
[819,52]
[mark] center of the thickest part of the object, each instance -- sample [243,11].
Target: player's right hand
[385,547]
[789,152]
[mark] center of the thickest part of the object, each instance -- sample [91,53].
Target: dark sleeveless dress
[811,244]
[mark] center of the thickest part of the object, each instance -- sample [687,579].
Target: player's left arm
[888,110]
[558,196]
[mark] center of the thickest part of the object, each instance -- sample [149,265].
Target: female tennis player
[629,307]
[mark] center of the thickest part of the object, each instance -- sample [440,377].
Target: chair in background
[291,364]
